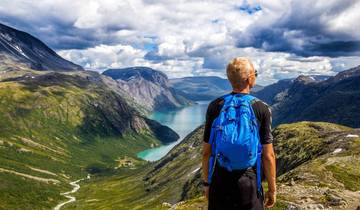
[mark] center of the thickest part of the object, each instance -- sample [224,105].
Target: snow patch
[195,170]
[337,150]
[352,136]
[6,37]
[17,48]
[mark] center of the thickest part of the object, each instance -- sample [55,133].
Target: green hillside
[318,167]
[58,127]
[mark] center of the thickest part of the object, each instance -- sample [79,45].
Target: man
[237,189]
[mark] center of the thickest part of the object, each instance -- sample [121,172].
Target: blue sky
[188,38]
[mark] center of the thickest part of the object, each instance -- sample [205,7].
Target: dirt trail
[74,190]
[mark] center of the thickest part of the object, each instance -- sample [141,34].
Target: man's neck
[245,90]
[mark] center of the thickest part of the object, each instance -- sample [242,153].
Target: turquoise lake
[182,121]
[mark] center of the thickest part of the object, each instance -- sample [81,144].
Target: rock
[292,206]
[352,136]
[313,207]
[165,204]
[333,200]
[292,182]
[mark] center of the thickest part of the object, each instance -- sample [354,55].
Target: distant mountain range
[148,87]
[333,99]
[203,88]
[23,48]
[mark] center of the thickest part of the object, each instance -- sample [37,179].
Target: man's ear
[251,82]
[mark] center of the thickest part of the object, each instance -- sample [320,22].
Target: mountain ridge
[205,88]
[148,87]
[329,99]
[27,49]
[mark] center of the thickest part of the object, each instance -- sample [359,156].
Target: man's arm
[206,150]
[269,164]
[205,160]
[268,156]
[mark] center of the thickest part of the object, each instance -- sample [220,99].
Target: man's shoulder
[259,102]
[216,102]
[261,106]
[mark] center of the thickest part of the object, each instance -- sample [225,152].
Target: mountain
[318,166]
[275,92]
[331,100]
[148,87]
[21,47]
[203,87]
[57,127]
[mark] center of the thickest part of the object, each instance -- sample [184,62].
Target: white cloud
[104,57]
[191,37]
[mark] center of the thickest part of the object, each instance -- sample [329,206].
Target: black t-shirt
[262,113]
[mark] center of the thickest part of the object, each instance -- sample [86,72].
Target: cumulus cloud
[308,28]
[103,57]
[189,38]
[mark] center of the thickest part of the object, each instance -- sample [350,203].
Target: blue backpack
[234,137]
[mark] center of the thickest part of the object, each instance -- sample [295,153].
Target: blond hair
[238,71]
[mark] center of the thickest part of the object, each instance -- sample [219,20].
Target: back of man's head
[238,71]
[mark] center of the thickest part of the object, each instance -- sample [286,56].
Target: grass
[66,127]
[300,142]
[349,176]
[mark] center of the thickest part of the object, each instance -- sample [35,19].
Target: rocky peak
[137,73]
[353,72]
[303,79]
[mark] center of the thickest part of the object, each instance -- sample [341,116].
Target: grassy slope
[306,148]
[62,128]
[146,187]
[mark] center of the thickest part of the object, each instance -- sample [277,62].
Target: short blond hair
[238,71]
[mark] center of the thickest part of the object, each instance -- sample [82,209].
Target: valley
[58,127]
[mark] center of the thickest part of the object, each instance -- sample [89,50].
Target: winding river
[182,121]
